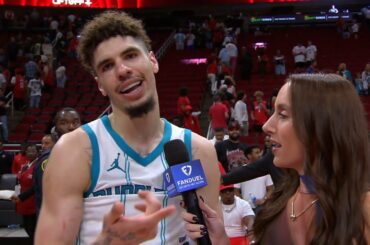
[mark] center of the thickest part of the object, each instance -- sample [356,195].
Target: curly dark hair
[104,26]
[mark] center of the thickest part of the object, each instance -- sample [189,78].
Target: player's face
[125,73]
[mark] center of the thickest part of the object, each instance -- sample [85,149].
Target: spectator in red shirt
[191,122]
[19,89]
[182,101]
[47,74]
[218,113]
[19,160]
[224,69]
[25,204]
[260,112]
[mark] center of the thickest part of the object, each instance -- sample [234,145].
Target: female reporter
[319,135]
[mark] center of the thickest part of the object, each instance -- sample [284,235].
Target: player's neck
[138,130]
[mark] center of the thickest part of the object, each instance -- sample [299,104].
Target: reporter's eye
[282,116]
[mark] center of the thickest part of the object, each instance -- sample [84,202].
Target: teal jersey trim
[187,141]
[128,179]
[164,204]
[144,161]
[95,166]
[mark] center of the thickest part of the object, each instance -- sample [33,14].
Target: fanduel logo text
[189,180]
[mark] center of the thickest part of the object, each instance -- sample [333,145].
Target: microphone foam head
[175,152]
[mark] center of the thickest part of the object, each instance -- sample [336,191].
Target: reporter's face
[288,150]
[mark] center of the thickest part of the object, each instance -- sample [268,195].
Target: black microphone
[176,153]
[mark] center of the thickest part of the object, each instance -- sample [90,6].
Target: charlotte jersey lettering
[118,173]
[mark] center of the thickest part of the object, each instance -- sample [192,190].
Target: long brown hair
[329,119]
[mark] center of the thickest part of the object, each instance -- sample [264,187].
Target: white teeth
[131,86]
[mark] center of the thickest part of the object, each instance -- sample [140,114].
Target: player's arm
[204,150]
[66,177]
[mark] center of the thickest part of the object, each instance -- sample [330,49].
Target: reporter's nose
[268,126]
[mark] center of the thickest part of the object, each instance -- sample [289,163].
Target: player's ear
[100,86]
[154,62]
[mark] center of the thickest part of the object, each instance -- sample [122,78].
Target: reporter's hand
[215,226]
[121,230]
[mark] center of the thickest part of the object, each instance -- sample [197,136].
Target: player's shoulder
[77,135]
[70,148]
[75,140]
[200,141]
[201,146]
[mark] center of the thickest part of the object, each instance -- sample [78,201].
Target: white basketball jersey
[118,173]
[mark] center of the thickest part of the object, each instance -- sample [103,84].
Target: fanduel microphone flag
[183,177]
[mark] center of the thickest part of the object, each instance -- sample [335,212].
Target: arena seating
[81,91]
[332,50]
[173,74]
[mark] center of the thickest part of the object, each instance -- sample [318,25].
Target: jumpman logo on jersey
[115,164]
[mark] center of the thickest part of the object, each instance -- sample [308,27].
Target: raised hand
[122,230]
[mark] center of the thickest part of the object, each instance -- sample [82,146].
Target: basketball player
[111,160]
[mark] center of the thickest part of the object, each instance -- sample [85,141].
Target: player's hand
[123,230]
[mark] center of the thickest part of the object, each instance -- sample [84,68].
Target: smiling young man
[114,158]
